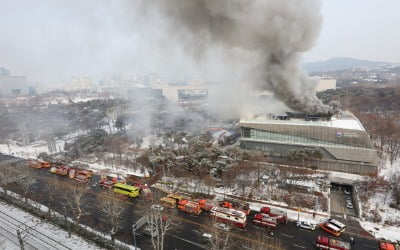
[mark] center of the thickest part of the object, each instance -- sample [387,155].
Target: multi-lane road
[186,230]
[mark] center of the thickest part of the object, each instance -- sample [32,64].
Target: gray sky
[51,41]
[365,29]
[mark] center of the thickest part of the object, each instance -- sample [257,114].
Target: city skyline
[100,39]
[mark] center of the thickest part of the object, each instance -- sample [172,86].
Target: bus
[125,189]
[328,227]
[337,224]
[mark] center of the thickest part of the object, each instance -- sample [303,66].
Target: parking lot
[342,201]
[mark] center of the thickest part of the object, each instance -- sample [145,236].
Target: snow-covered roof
[347,121]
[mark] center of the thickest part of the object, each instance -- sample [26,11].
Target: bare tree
[52,192]
[220,238]
[73,195]
[393,148]
[113,208]
[159,224]
[256,159]
[25,183]
[6,177]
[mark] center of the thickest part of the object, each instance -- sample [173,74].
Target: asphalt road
[186,230]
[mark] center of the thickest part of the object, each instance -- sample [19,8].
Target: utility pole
[21,242]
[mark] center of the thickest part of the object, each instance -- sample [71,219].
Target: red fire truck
[324,242]
[279,215]
[189,206]
[238,205]
[265,220]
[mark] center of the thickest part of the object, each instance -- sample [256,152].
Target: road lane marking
[48,179]
[369,246]
[290,236]
[300,246]
[191,242]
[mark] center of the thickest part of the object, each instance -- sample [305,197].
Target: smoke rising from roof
[272,33]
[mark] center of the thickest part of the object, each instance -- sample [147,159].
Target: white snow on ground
[379,202]
[34,149]
[37,147]
[344,176]
[150,140]
[47,226]
[66,99]
[388,169]
[382,232]
[42,235]
[118,170]
[30,151]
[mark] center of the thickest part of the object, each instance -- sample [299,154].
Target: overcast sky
[365,29]
[53,40]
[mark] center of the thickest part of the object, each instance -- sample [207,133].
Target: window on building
[16,91]
[246,132]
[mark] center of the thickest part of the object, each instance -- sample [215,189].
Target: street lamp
[134,228]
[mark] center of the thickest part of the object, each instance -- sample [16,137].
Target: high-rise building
[12,85]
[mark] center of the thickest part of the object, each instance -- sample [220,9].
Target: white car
[306,225]
[349,205]
[157,207]
[150,231]
[206,237]
[222,226]
[346,191]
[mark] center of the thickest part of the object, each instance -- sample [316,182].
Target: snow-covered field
[382,232]
[379,201]
[34,149]
[36,234]
[29,151]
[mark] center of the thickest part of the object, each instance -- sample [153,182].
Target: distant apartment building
[80,83]
[183,91]
[12,85]
[325,84]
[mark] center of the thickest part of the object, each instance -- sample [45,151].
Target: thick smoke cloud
[271,33]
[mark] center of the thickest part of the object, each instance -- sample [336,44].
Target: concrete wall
[325,84]
[277,153]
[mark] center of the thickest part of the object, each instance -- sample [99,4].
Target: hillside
[340,63]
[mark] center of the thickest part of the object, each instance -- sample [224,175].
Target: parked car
[349,205]
[206,238]
[347,191]
[157,207]
[306,225]
[150,231]
[222,226]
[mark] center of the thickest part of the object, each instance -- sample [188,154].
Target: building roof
[341,121]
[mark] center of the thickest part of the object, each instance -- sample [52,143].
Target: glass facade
[269,136]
